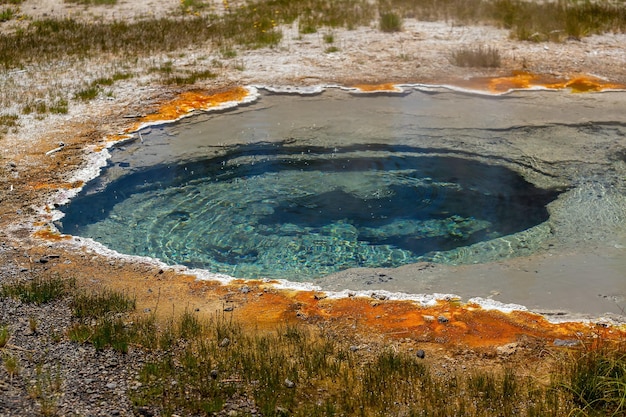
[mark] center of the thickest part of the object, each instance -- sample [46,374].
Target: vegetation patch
[38,290]
[596,379]
[8,14]
[190,78]
[390,22]
[481,56]
[256,25]
[5,335]
[192,6]
[88,93]
[100,304]
[42,107]
[198,365]
[8,122]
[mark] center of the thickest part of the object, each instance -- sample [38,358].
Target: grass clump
[8,122]
[109,81]
[7,14]
[596,379]
[5,335]
[101,319]
[46,389]
[191,6]
[11,365]
[481,56]
[190,78]
[390,22]
[39,290]
[88,93]
[101,304]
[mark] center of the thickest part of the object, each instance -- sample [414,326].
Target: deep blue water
[282,210]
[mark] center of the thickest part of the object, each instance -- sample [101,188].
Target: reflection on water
[285,211]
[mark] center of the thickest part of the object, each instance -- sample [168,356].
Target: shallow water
[173,194]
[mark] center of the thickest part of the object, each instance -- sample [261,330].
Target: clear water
[285,210]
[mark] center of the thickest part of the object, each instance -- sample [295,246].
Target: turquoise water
[288,210]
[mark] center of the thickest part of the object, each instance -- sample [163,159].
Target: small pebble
[225,342]
[289,383]
[420,354]
[442,319]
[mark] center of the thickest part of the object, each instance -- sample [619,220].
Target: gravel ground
[58,377]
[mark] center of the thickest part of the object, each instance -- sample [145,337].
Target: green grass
[596,378]
[7,14]
[38,290]
[88,93]
[109,81]
[190,78]
[198,373]
[11,365]
[192,6]
[42,107]
[5,335]
[526,20]
[480,56]
[390,22]
[100,304]
[100,322]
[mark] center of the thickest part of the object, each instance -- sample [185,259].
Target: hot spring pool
[305,187]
